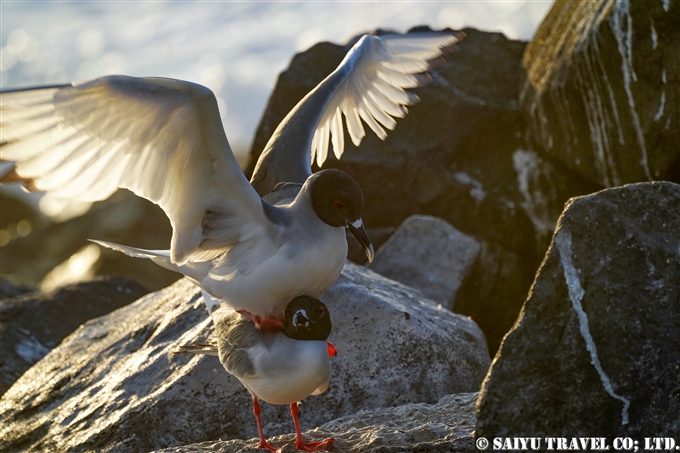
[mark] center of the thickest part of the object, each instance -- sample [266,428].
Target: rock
[493,292]
[114,384]
[123,218]
[9,290]
[32,324]
[356,253]
[476,279]
[596,351]
[602,93]
[443,427]
[461,155]
[429,255]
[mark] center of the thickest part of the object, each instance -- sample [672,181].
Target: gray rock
[493,292]
[443,427]
[32,324]
[115,386]
[428,254]
[602,95]
[596,351]
[356,252]
[9,290]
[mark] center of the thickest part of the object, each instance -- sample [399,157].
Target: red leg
[256,410]
[300,443]
[263,324]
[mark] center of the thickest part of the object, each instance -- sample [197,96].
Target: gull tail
[160,257]
[198,348]
[134,251]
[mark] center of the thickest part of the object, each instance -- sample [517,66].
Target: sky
[235,48]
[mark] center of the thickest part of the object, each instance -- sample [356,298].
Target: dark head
[307,319]
[338,201]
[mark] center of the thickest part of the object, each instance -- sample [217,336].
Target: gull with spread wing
[163,140]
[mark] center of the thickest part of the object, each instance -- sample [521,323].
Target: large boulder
[602,93]
[474,278]
[446,426]
[9,290]
[428,254]
[32,324]
[114,384]
[596,351]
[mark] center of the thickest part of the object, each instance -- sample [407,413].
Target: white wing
[381,68]
[160,138]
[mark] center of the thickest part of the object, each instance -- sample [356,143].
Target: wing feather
[160,138]
[381,69]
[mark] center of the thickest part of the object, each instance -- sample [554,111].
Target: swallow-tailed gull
[279,368]
[163,140]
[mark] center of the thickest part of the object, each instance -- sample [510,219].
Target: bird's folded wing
[382,68]
[160,138]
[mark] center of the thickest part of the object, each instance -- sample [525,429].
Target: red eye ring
[339,204]
[288,314]
[320,311]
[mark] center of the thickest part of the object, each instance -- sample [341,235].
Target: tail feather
[160,257]
[194,272]
[198,348]
[134,251]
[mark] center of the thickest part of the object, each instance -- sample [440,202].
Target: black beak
[358,231]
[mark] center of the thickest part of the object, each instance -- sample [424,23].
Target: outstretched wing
[369,85]
[160,138]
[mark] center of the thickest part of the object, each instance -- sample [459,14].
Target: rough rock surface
[9,289]
[603,89]
[123,218]
[443,427]
[356,253]
[428,254]
[460,155]
[32,324]
[493,292]
[596,351]
[114,385]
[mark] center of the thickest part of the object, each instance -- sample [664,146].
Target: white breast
[308,265]
[288,370]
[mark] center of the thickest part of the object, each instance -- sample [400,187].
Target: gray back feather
[235,335]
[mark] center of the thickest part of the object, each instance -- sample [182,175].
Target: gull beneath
[163,139]
[280,368]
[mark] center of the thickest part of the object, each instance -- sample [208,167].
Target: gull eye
[320,311]
[339,204]
[287,313]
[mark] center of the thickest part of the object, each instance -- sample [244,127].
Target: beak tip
[359,232]
[370,254]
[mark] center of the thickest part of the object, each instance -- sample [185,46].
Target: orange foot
[324,445]
[265,446]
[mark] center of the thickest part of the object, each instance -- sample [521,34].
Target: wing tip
[450,47]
